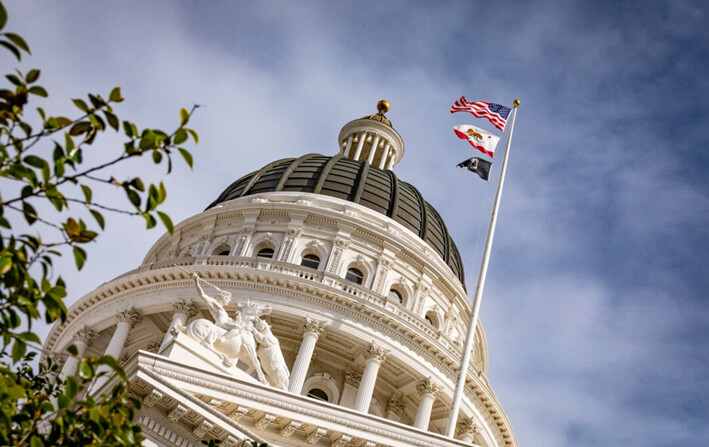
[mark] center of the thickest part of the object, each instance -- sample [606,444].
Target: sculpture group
[245,336]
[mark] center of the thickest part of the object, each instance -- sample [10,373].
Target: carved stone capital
[466,427]
[395,405]
[314,326]
[341,244]
[375,352]
[294,232]
[177,413]
[153,347]
[129,316]
[183,307]
[247,231]
[84,335]
[427,386]
[352,377]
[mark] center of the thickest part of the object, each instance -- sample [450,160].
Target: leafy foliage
[36,408]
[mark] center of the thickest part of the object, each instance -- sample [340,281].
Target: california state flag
[483,141]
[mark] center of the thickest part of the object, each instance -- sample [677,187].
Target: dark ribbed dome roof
[357,182]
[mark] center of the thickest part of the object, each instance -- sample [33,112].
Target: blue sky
[595,304]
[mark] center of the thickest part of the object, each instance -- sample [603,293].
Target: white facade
[380,372]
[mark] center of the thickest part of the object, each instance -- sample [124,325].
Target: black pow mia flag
[477,165]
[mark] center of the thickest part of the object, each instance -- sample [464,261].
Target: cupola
[373,139]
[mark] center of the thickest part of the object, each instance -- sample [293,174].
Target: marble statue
[270,355]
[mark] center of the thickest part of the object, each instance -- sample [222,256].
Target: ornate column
[428,391]
[182,311]
[349,389]
[390,165]
[126,320]
[242,242]
[358,152]
[383,269]
[336,255]
[81,339]
[466,430]
[313,329]
[375,355]
[291,235]
[346,150]
[373,150]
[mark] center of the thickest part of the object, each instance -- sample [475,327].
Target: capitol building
[318,301]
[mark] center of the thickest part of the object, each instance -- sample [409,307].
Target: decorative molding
[315,436]
[395,405]
[352,377]
[177,413]
[151,399]
[237,414]
[314,326]
[153,347]
[290,428]
[341,441]
[84,335]
[230,441]
[264,420]
[203,428]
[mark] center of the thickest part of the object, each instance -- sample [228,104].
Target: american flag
[496,113]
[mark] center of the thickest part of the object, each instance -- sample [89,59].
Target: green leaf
[195,137]
[12,49]
[186,155]
[14,79]
[71,387]
[184,116]
[35,161]
[18,350]
[113,364]
[32,76]
[5,264]
[18,40]
[180,136]
[99,218]
[157,156]
[79,128]
[29,212]
[150,221]
[73,350]
[133,197]
[63,401]
[137,183]
[30,337]
[80,104]
[115,95]
[79,257]
[112,119]
[86,372]
[36,441]
[87,193]
[166,221]
[39,91]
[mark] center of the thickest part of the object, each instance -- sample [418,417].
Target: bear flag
[483,141]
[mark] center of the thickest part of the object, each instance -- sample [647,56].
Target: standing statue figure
[228,336]
[269,352]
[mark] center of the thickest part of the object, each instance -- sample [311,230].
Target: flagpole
[467,350]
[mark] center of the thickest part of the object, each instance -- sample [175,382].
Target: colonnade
[374,355]
[387,154]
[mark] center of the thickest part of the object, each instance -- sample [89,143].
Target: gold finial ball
[516,102]
[383,106]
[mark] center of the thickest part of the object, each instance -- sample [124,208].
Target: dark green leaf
[29,212]
[80,104]
[87,193]
[137,183]
[157,156]
[71,387]
[150,221]
[115,95]
[166,221]
[35,161]
[127,129]
[99,218]
[14,79]
[73,350]
[32,76]
[30,337]
[186,155]
[36,441]
[39,91]
[133,197]
[112,119]
[3,16]
[79,128]
[18,40]
[79,257]
[63,401]
[12,49]
[18,350]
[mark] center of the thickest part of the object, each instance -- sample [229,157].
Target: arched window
[317,393]
[222,250]
[432,319]
[310,260]
[395,296]
[266,252]
[354,275]
[223,253]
